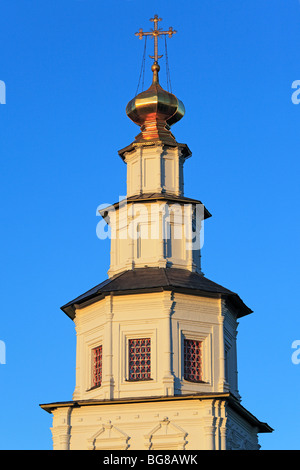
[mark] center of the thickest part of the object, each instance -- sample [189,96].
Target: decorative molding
[109,437]
[166,435]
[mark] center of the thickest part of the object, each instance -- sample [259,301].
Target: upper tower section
[155,225]
[155,159]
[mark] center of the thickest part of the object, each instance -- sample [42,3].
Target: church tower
[156,358]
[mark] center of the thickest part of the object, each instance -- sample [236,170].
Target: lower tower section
[156,366]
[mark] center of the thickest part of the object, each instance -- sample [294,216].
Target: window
[139,359]
[97,366]
[193,360]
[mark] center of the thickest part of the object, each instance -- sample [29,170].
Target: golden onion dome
[155,111]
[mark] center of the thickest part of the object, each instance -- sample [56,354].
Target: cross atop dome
[155,33]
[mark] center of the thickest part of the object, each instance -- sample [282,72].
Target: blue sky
[70,67]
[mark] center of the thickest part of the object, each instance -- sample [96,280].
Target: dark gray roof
[186,153]
[154,197]
[158,279]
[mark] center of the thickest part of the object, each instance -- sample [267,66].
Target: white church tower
[156,360]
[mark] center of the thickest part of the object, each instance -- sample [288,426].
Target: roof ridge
[166,275]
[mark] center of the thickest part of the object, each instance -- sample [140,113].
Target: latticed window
[192,360]
[97,366]
[140,359]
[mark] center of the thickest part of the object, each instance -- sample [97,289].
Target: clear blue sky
[70,67]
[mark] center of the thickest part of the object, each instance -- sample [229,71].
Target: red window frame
[193,360]
[97,366]
[139,359]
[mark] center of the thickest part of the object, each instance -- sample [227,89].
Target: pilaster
[108,379]
[223,385]
[209,427]
[61,429]
[76,393]
[168,379]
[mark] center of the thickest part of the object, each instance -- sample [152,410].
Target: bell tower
[156,358]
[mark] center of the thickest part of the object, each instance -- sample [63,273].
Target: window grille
[140,359]
[192,360]
[97,366]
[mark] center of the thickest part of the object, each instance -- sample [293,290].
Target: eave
[231,401]
[147,280]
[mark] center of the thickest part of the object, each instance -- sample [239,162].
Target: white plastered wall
[166,319]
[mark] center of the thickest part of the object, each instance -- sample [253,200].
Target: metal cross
[156,33]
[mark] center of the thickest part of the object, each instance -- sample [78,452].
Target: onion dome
[155,111]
